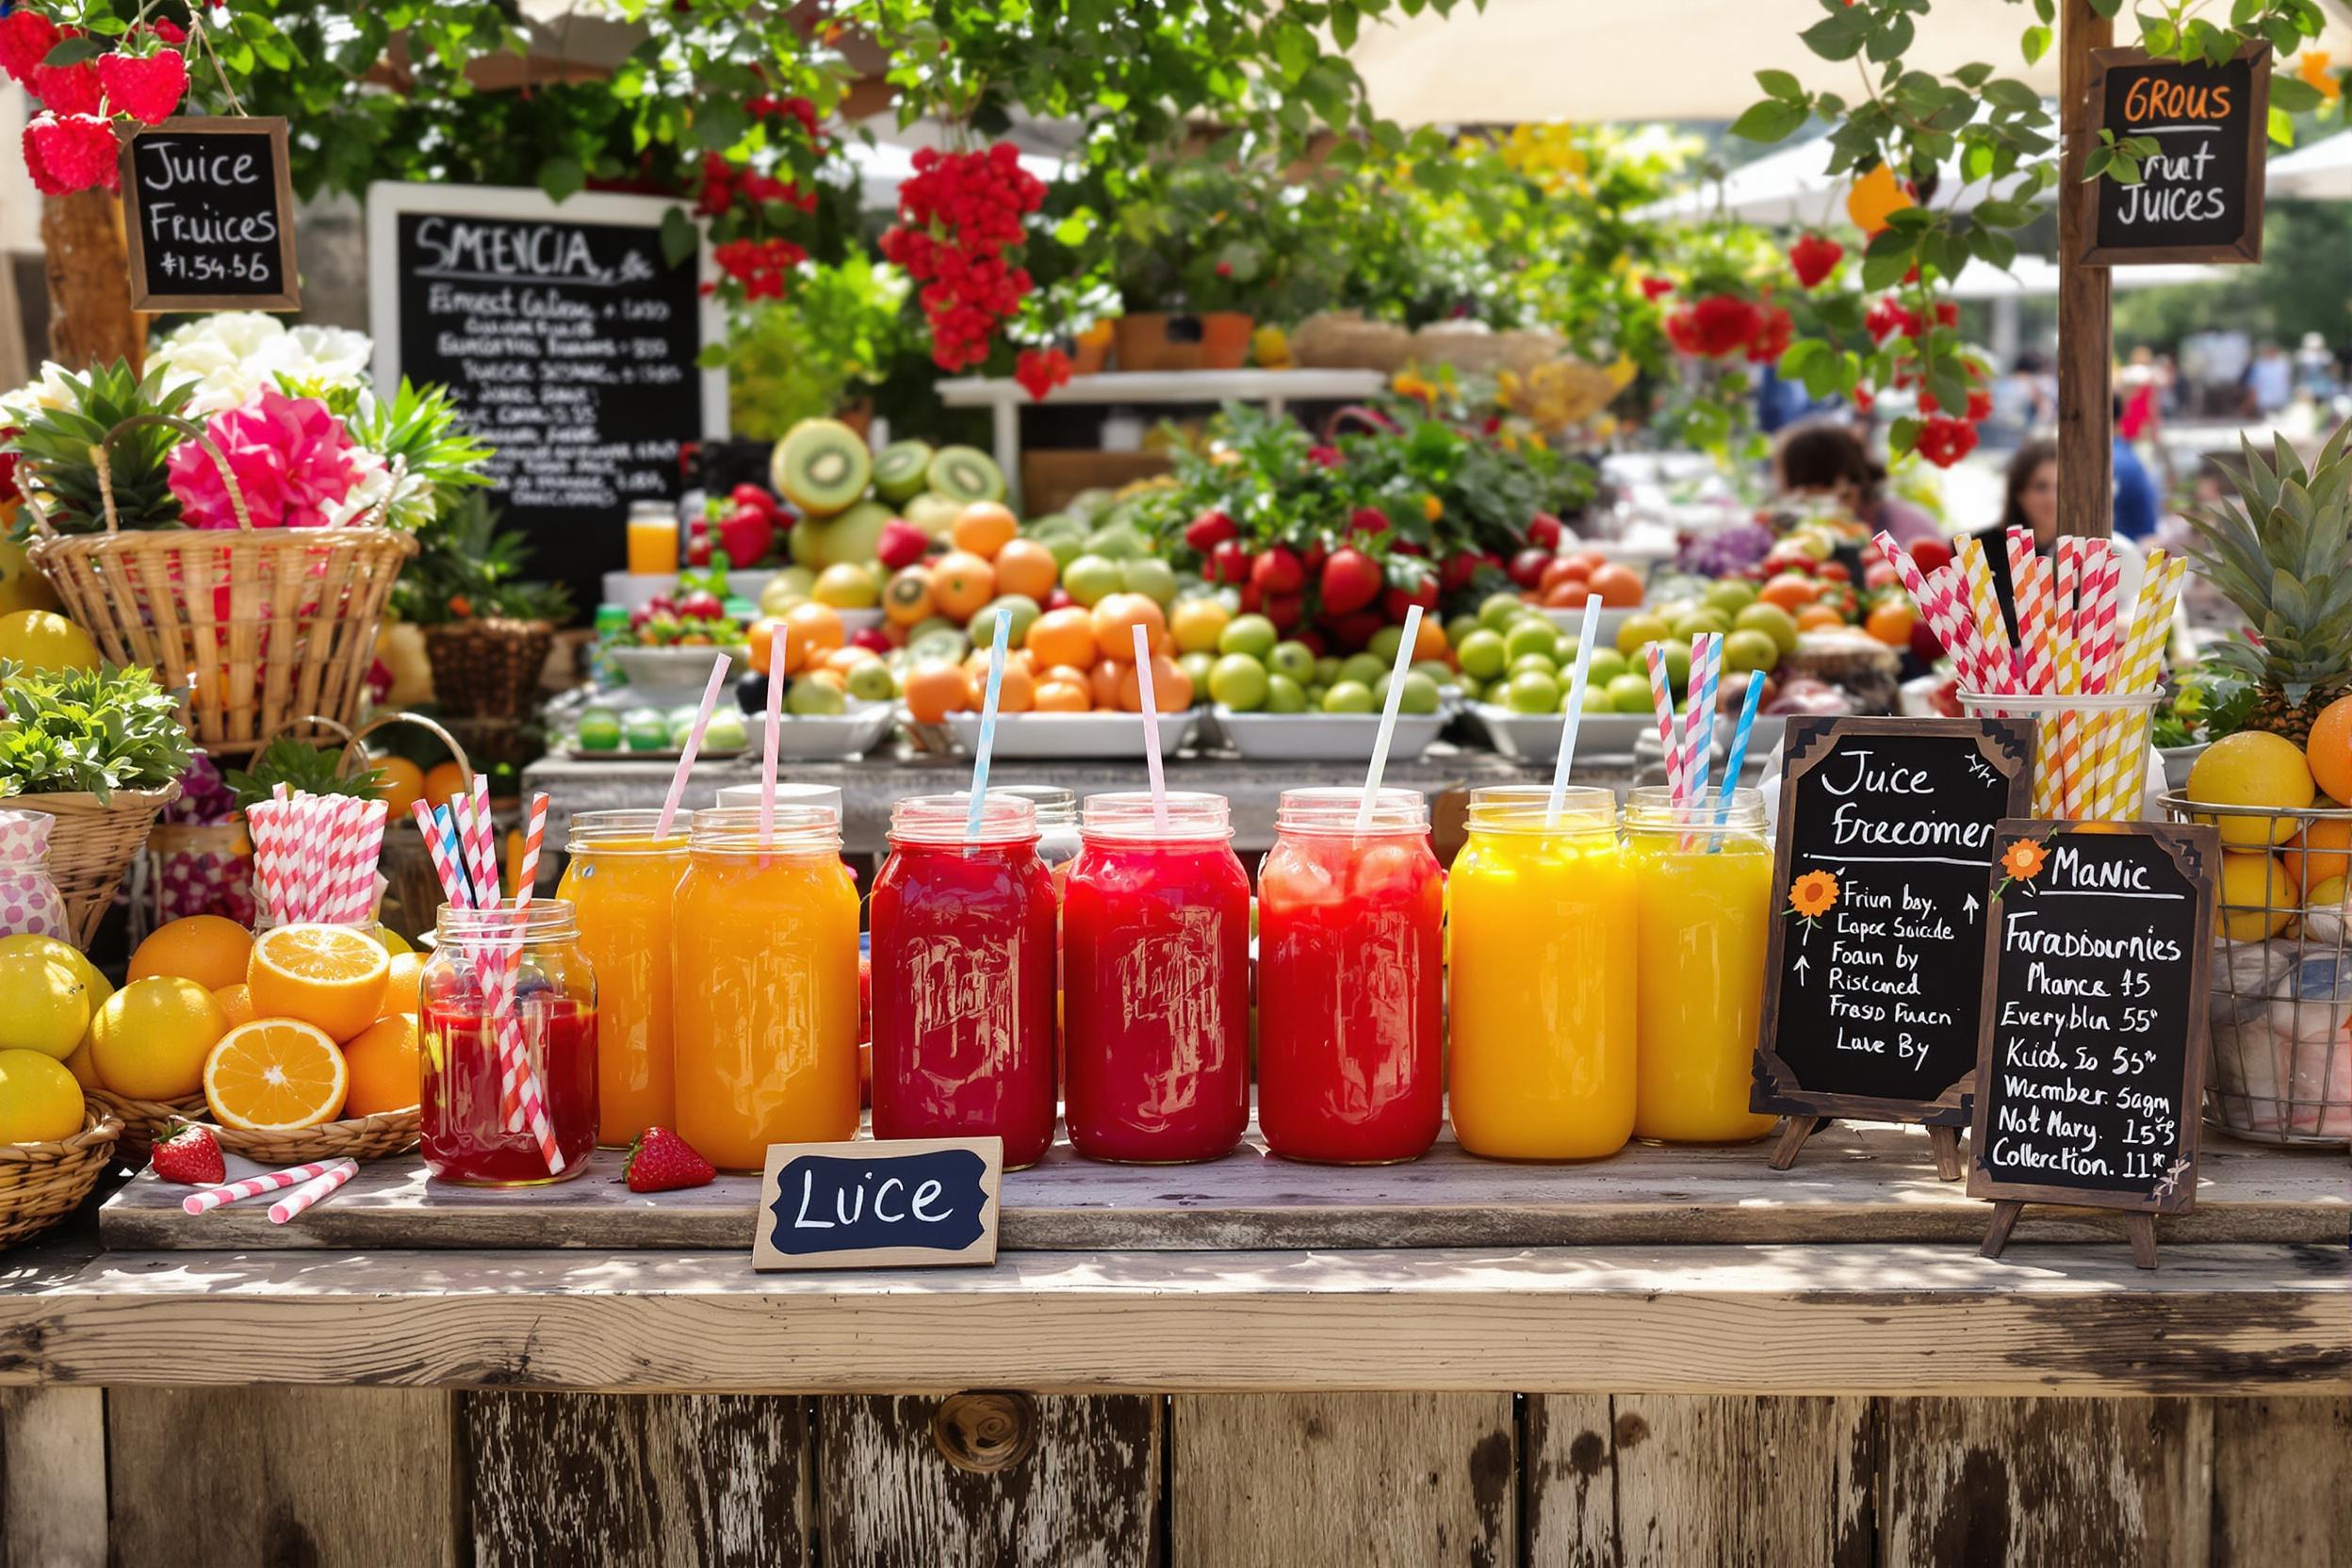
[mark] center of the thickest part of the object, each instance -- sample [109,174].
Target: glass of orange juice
[621,880]
[1541,1065]
[652,538]
[1703,890]
[763,993]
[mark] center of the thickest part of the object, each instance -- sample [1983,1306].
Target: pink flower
[292,458]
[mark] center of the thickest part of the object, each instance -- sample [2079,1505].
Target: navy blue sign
[849,1204]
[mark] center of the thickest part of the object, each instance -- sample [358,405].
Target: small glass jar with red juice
[1156,964]
[1350,979]
[465,1125]
[963,922]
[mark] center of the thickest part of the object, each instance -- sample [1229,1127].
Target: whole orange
[2329,749]
[382,1058]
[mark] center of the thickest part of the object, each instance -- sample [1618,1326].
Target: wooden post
[91,319]
[2086,421]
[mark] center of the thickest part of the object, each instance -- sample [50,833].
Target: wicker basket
[1343,340]
[144,1120]
[92,845]
[40,1184]
[488,668]
[260,624]
[367,1137]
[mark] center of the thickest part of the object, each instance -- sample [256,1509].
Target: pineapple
[2283,556]
[59,474]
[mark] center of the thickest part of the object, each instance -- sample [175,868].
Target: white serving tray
[1324,737]
[1535,737]
[823,737]
[1049,737]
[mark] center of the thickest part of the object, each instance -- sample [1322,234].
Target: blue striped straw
[988,728]
[1740,744]
[1698,725]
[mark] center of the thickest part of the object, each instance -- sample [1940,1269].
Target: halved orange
[276,1075]
[328,975]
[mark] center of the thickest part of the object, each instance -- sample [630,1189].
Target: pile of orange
[1570,579]
[1071,661]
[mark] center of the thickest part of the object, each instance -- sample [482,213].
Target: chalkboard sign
[1881,865]
[2200,195]
[209,216]
[2092,1061]
[884,1203]
[569,341]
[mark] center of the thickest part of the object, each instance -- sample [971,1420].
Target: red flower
[1772,337]
[1653,288]
[1718,325]
[67,89]
[69,153]
[1813,258]
[1040,370]
[145,86]
[1945,441]
[1888,317]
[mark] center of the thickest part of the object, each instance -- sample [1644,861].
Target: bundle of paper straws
[1690,740]
[463,841]
[2073,641]
[314,855]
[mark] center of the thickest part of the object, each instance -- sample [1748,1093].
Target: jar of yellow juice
[763,984]
[1703,890]
[1540,1064]
[621,876]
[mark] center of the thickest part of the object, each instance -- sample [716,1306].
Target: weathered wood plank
[1568,1480]
[1820,1320]
[1295,1480]
[587,1479]
[52,1477]
[2278,1482]
[976,1481]
[2047,1483]
[285,1477]
[1855,1185]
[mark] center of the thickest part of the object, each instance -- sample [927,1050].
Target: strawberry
[67,89]
[1813,258]
[26,39]
[190,1154]
[145,86]
[70,152]
[660,1161]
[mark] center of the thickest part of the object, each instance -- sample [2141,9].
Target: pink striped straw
[2103,631]
[452,883]
[535,1106]
[1932,603]
[1698,719]
[2028,589]
[254,1186]
[1662,699]
[515,1069]
[1948,608]
[312,1191]
[485,846]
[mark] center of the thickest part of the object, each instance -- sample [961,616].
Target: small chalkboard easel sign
[209,216]
[2092,1063]
[883,1202]
[2200,194]
[1881,865]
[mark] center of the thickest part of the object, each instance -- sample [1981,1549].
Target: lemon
[21,587]
[150,1038]
[85,1072]
[44,640]
[39,1102]
[2252,768]
[92,976]
[2258,897]
[43,1006]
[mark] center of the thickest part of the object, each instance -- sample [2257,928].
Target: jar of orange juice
[763,984]
[621,879]
[1702,882]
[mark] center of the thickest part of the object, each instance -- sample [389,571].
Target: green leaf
[679,235]
[1889,41]
[560,177]
[2034,44]
[73,51]
[1838,36]
[2292,94]
[1904,434]
[1781,84]
[1769,121]
[2281,126]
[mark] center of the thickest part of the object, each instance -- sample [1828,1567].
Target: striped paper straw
[986,745]
[485,845]
[2073,768]
[2143,666]
[515,1069]
[254,1186]
[438,850]
[1662,699]
[1698,721]
[312,1191]
[2107,755]
[2028,582]
[1992,637]
[1946,611]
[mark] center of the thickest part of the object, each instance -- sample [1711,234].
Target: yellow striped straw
[2072,772]
[2142,665]
[1985,610]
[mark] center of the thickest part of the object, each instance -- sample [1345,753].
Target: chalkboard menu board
[2092,1062]
[569,341]
[1881,867]
[2200,195]
[878,1204]
[209,216]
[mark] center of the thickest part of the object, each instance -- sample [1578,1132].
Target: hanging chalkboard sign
[2092,1061]
[885,1203]
[1880,869]
[570,342]
[209,216]
[2200,195]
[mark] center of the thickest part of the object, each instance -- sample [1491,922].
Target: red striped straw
[2029,584]
[367,853]
[254,1186]
[514,1074]
[2103,630]
[312,1191]
[1931,601]
[535,1105]
[483,846]
[1662,698]
[1947,606]
[453,886]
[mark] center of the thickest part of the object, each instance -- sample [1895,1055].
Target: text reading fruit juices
[621,881]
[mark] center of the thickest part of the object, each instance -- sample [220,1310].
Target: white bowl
[1047,737]
[667,677]
[1324,737]
[1535,737]
[825,737]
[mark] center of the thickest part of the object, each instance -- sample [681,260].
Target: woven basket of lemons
[44,1181]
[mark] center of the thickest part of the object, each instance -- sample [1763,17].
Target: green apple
[1284,696]
[1294,659]
[599,730]
[1535,662]
[1363,669]
[813,699]
[1196,666]
[1731,596]
[1459,629]
[1155,579]
[1596,700]
[1240,682]
[1750,651]
[1607,665]
[1383,644]
[1253,635]
[1348,697]
[1533,635]
[1483,654]
[1638,630]
[1497,611]
[1020,607]
[1772,620]
[1689,625]
[1630,692]
[1418,697]
[1531,692]
[870,681]
[1090,579]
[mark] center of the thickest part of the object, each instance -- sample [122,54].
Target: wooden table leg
[2141,1228]
[1793,1133]
[1945,1142]
[1997,1237]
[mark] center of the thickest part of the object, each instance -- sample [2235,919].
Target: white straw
[988,728]
[1151,730]
[1388,719]
[694,744]
[774,737]
[1576,708]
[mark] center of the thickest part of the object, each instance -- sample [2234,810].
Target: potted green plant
[1195,260]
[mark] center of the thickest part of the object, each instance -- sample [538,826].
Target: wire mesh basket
[2282,1006]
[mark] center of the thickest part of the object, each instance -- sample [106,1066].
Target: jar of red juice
[1155,963]
[962,922]
[464,1124]
[1350,969]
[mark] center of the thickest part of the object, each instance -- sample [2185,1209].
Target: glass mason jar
[1156,924]
[1542,991]
[621,881]
[1057,824]
[963,931]
[30,905]
[467,1134]
[1703,889]
[1350,969]
[764,994]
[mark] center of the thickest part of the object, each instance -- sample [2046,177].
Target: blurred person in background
[1824,460]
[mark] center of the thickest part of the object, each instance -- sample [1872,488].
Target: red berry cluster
[723,182]
[1813,258]
[1040,370]
[1725,324]
[759,265]
[1943,440]
[1890,317]
[959,216]
[71,145]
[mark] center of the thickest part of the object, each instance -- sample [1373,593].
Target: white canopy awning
[2037,277]
[1793,188]
[2319,172]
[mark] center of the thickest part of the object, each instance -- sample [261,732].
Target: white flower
[234,354]
[49,390]
[373,482]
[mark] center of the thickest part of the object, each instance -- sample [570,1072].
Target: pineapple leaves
[88,732]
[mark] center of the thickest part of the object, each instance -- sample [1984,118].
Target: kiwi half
[821,466]
[966,474]
[899,469]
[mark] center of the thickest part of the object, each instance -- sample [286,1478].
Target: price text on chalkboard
[2200,194]
[883,1203]
[209,216]
[2092,1060]
[1880,871]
